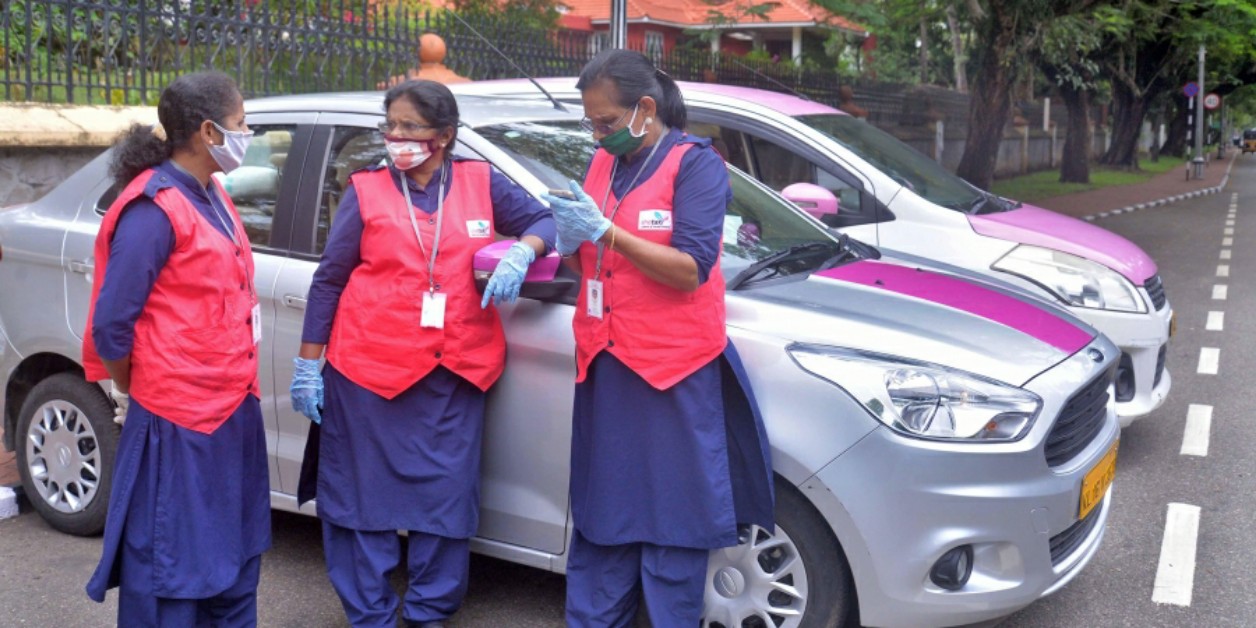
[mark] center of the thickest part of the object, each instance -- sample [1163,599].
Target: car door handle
[82,267]
[293,301]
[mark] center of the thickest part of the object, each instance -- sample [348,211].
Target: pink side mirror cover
[543,269]
[812,199]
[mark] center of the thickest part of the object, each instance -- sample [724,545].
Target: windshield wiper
[774,260]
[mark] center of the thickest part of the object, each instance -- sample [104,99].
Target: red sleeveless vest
[193,360]
[376,339]
[662,334]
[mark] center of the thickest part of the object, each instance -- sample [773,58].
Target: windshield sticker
[731,225]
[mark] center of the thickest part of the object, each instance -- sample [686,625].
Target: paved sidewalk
[1163,188]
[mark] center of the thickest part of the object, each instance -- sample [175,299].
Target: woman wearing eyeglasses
[411,350]
[174,324]
[668,454]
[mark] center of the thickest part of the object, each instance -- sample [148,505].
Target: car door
[523,496]
[778,160]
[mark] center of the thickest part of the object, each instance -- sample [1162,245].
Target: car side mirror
[812,199]
[541,282]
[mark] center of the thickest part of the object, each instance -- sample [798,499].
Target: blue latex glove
[503,286]
[307,389]
[578,220]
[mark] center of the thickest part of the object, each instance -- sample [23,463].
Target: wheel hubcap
[760,583]
[62,456]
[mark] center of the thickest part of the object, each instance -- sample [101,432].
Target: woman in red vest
[174,324]
[411,351]
[668,454]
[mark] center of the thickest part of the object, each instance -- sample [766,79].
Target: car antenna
[760,74]
[557,105]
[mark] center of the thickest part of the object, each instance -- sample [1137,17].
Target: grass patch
[1046,184]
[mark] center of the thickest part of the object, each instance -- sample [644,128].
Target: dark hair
[635,77]
[184,105]
[434,101]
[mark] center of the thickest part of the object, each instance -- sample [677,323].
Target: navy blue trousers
[605,584]
[236,607]
[359,561]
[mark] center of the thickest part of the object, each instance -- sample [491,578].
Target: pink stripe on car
[968,297]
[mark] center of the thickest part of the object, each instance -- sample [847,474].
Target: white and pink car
[863,181]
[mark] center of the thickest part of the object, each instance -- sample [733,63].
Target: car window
[728,142]
[553,151]
[352,148]
[254,186]
[778,167]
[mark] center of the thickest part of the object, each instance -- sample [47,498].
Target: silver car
[943,449]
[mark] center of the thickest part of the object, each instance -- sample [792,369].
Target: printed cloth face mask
[407,154]
[230,155]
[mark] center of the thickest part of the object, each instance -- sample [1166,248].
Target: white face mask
[230,155]
[407,154]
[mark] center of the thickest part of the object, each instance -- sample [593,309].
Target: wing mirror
[541,282]
[812,199]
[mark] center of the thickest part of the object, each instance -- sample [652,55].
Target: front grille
[1160,364]
[1155,290]
[1065,543]
[1079,421]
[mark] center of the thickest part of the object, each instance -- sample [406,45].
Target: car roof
[787,104]
[473,110]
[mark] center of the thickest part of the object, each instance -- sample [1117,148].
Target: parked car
[943,449]
[892,195]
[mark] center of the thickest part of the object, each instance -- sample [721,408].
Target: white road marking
[1198,429]
[1227,241]
[1223,270]
[1216,321]
[1219,292]
[1225,253]
[1229,223]
[1229,231]
[1209,360]
[1175,576]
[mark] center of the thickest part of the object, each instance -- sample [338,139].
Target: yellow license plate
[1098,479]
[1173,324]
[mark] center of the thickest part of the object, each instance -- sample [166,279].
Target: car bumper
[905,502]
[1144,339]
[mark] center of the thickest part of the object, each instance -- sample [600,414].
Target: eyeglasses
[602,129]
[407,128]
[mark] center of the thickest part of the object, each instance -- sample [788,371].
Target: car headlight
[1074,280]
[924,400]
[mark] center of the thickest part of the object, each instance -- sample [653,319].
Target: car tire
[798,569]
[66,442]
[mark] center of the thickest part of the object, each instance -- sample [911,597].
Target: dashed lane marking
[1219,292]
[1209,360]
[1223,270]
[1229,231]
[1175,576]
[1198,429]
[1216,321]
[1225,253]
[1227,241]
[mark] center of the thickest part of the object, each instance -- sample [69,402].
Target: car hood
[1040,227]
[906,311]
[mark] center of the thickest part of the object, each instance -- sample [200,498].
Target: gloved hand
[577,220]
[307,389]
[123,402]
[503,286]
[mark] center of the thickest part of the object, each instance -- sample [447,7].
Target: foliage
[525,13]
[1046,184]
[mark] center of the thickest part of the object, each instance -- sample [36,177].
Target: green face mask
[623,141]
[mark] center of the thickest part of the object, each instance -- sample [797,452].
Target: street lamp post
[619,23]
[1198,161]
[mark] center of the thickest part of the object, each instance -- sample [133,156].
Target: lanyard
[229,225]
[440,204]
[597,272]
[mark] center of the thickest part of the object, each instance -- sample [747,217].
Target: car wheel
[795,577]
[66,445]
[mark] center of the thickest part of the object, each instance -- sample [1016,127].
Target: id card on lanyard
[228,224]
[433,305]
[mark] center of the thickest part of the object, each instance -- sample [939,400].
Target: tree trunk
[924,52]
[1128,111]
[1075,162]
[957,50]
[1175,137]
[990,104]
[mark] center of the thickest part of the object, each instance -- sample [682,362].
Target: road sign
[1190,89]
[1212,101]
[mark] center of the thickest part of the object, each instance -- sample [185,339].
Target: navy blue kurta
[411,462]
[680,467]
[186,510]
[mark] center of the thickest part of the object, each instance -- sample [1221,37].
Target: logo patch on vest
[654,220]
[479,229]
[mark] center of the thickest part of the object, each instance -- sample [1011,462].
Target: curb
[8,503]
[1165,201]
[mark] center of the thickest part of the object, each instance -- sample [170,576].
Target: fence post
[939,140]
[1054,139]
[1024,150]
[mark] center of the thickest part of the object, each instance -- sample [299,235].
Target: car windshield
[904,164]
[758,223]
